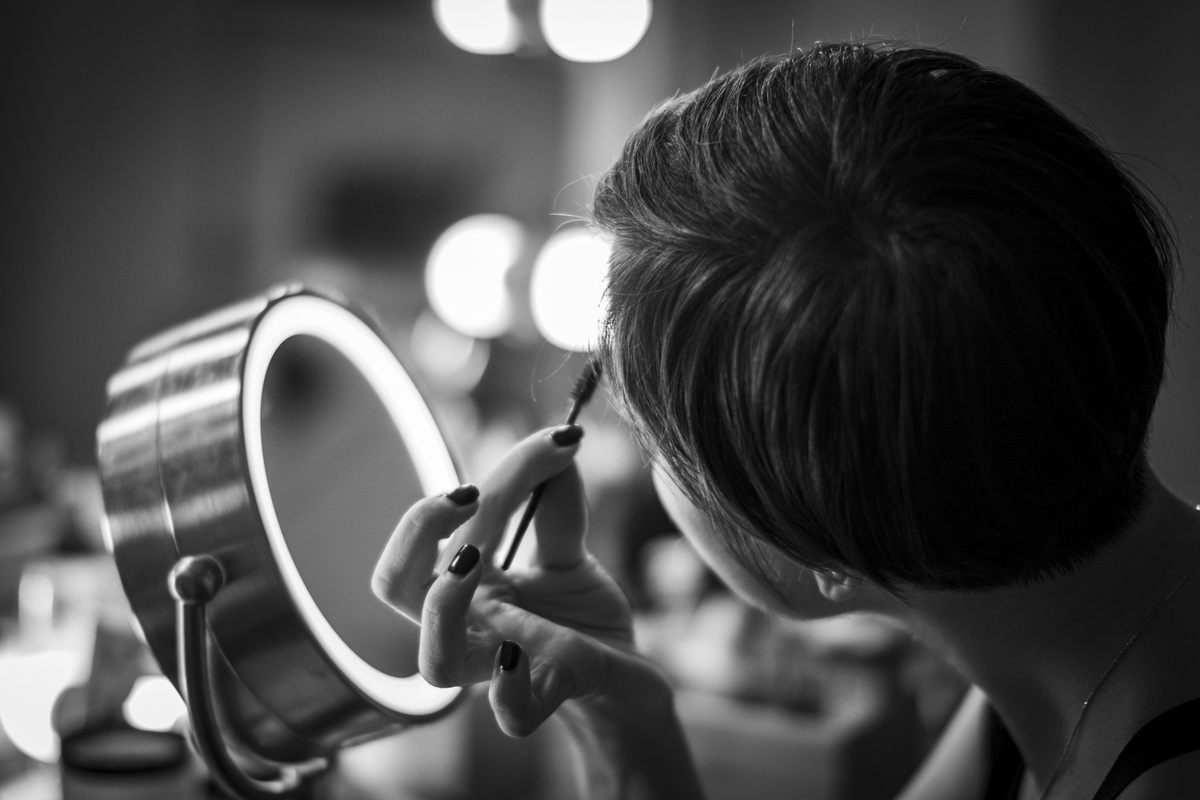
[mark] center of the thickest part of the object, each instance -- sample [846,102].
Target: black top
[1172,733]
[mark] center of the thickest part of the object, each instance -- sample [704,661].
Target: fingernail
[464,495]
[464,560]
[510,654]
[567,435]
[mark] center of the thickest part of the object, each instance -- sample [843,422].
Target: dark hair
[888,311]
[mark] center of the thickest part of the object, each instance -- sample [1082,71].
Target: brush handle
[576,407]
[523,525]
[536,496]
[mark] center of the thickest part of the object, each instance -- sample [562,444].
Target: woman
[891,329]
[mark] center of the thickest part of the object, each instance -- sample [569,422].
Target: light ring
[334,325]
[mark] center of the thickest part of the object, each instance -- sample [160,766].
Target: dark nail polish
[464,560]
[510,654]
[567,435]
[464,495]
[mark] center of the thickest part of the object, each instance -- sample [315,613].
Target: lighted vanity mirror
[254,463]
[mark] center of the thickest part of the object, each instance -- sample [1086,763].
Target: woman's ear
[836,586]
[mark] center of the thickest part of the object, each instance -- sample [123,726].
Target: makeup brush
[585,386]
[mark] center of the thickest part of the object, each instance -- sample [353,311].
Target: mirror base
[194,582]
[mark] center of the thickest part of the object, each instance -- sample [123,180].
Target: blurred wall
[1132,72]
[164,157]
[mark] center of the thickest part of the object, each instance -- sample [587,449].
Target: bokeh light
[466,276]
[567,287]
[487,27]
[594,30]
[449,358]
[32,684]
[153,704]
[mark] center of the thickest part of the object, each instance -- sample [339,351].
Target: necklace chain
[1108,671]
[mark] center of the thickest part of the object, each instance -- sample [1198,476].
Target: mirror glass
[340,478]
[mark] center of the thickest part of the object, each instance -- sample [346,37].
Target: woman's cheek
[710,545]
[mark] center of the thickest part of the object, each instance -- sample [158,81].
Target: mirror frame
[181,467]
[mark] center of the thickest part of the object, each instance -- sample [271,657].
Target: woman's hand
[558,632]
[570,623]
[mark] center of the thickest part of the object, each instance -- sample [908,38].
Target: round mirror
[280,441]
[338,474]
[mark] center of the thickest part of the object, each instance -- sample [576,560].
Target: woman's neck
[1040,651]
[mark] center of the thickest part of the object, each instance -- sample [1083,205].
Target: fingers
[533,460]
[405,570]
[445,657]
[519,702]
[527,687]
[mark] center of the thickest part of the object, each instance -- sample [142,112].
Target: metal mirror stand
[194,582]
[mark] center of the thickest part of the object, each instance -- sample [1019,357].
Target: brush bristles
[585,384]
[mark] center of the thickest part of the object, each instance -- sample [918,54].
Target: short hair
[888,311]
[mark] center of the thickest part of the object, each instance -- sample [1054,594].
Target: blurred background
[431,161]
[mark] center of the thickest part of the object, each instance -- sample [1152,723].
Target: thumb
[561,521]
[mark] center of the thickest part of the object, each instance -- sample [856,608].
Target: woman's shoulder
[959,764]
[1161,760]
[1172,779]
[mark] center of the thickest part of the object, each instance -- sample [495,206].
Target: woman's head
[887,312]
